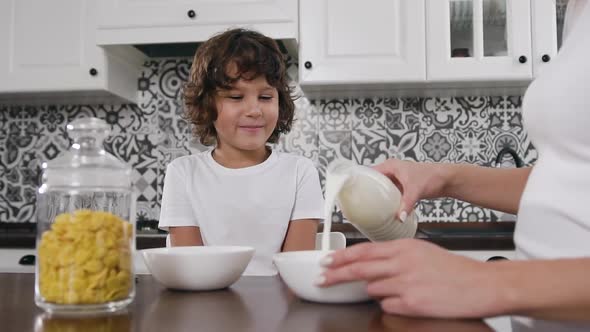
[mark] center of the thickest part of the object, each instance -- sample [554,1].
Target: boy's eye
[235,97]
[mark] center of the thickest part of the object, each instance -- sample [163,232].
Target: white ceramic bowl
[197,268]
[300,270]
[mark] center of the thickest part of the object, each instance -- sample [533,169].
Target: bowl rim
[301,255]
[197,250]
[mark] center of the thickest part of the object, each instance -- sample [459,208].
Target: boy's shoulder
[293,159]
[189,161]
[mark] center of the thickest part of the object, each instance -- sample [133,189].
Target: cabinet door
[164,21]
[46,46]
[351,41]
[480,40]
[545,31]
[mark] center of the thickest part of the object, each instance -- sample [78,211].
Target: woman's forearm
[493,188]
[545,289]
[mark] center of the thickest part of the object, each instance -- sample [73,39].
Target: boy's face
[247,114]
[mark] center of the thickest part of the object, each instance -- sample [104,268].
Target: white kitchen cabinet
[547,29]
[175,21]
[479,40]
[9,261]
[485,255]
[49,50]
[350,42]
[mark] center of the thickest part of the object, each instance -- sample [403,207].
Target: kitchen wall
[151,134]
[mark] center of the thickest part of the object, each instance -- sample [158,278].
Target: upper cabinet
[471,40]
[173,21]
[83,50]
[351,41]
[49,52]
[431,47]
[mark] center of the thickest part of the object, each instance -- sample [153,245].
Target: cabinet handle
[307,64]
[93,72]
[497,258]
[522,59]
[191,14]
[546,58]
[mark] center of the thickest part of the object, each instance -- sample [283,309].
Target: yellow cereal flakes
[85,258]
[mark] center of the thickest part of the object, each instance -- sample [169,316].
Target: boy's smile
[251,129]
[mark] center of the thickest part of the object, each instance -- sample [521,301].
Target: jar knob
[90,131]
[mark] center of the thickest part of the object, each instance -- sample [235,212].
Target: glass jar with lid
[85,227]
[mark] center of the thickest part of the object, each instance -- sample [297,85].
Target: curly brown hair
[254,55]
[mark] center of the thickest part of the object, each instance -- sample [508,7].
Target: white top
[554,213]
[249,206]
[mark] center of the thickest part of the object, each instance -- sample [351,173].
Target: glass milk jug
[85,227]
[369,200]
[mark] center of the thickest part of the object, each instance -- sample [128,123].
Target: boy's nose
[254,110]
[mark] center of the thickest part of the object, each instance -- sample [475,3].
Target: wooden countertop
[257,304]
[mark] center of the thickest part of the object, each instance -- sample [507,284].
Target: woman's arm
[301,235]
[546,289]
[185,236]
[498,189]
[416,278]
[494,188]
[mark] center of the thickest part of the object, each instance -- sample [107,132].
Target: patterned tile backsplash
[151,134]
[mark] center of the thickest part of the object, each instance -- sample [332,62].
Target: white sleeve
[176,208]
[309,201]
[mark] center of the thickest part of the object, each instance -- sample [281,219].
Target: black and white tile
[153,133]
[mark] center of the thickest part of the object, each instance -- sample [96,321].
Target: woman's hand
[416,278]
[415,180]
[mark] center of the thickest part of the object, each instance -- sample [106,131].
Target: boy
[241,192]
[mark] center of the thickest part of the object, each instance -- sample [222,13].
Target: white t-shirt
[554,212]
[249,206]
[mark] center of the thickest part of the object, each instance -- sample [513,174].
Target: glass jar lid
[86,163]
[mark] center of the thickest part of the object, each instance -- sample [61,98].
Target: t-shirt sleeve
[309,200]
[176,209]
